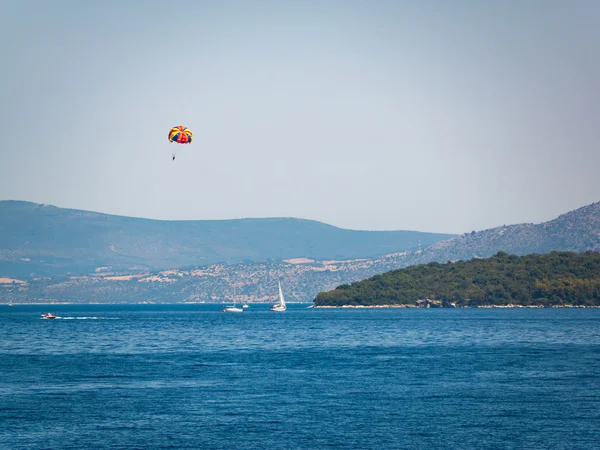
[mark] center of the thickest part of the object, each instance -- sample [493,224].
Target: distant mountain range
[575,231]
[42,240]
[302,279]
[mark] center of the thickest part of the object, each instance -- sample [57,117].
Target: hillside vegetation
[557,278]
[41,240]
[50,248]
[574,231]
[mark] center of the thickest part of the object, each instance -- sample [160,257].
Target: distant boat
[281,305]
[245,305]
[48,316]
[232,309]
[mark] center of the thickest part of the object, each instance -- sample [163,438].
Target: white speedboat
[281,305]
[48,316]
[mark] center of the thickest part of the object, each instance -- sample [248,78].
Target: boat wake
[88,318]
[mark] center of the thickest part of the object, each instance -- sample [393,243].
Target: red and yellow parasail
[180,135]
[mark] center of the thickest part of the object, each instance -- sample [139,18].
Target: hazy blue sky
[441,116]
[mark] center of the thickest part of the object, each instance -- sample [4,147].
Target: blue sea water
[190,376]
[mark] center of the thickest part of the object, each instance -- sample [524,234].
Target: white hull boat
[234,308]
[281,305]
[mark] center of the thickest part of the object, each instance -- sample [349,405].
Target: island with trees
[556,279]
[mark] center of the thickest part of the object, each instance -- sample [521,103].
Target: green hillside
[557,278]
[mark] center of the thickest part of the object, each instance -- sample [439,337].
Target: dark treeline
[557,278]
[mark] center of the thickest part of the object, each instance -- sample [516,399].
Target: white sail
[281,305]
[281,300]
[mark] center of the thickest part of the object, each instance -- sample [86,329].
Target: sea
[193,377]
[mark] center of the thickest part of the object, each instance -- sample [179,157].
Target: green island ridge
[556,279]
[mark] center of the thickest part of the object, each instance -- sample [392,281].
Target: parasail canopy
[180,135]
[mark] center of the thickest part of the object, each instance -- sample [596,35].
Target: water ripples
[192,377]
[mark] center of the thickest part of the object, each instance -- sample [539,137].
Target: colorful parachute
[180,135]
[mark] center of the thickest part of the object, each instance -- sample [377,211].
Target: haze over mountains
[575,231]
[302,279]
[42,240]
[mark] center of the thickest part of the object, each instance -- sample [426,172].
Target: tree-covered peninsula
[553,279]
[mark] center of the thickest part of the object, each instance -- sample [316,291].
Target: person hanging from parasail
[180,135]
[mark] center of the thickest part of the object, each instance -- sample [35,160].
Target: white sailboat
[281,305]
[232,309]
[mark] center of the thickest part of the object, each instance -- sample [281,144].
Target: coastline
[456,307]
[313,306]
[140,303]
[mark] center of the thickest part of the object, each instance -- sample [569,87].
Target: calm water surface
[148,376]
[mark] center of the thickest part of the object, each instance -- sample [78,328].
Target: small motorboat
[48,316]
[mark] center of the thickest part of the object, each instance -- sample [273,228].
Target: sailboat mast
[281,301]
